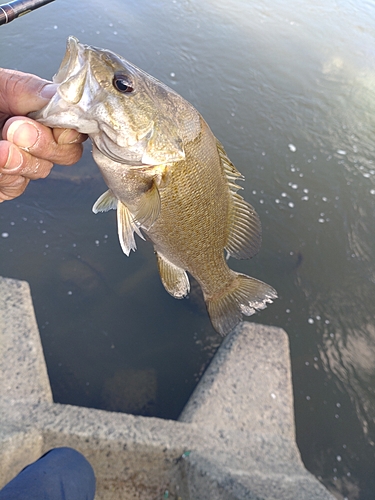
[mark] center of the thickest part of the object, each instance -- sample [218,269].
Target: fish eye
[122,84]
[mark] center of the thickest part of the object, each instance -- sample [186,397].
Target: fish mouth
[73,60]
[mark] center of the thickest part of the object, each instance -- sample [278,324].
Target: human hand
[28,149]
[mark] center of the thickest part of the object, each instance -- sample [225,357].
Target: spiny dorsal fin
[126,227]
[148,207]
[245,230]
[174,278]
[107,201]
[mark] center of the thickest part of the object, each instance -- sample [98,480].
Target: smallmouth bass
[169,178]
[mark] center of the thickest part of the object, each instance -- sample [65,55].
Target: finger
[68,136]
[12,186]
[21,93]
[41,142]
[15,162]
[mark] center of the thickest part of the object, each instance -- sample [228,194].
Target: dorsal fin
[126,227]
[245,230]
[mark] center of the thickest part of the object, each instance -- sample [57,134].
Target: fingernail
[69,136]
[23,134]
[14,160]
[48,90]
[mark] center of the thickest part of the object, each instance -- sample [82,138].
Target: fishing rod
[17,8]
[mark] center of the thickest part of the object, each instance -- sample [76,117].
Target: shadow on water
[288,88]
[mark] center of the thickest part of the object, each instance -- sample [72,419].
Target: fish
[168,177]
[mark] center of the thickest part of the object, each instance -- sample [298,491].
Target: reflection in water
[288,87]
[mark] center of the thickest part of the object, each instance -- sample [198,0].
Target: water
[288,87]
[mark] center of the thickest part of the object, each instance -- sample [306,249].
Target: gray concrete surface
[235,439]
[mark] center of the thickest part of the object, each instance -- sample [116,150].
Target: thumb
[21,93]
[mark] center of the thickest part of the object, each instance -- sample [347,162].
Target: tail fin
[245,295]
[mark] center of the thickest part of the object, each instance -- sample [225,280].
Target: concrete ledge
[235,439]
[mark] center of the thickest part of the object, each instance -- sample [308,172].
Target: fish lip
[70,59]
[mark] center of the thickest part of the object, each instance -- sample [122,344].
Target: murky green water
[289,88]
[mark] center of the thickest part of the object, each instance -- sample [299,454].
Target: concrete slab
[235,439]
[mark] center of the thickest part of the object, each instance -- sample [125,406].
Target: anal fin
[174,278]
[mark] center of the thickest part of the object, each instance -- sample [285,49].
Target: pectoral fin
[126,227]
[174,278]
[148,207]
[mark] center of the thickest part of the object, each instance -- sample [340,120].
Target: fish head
[130,116]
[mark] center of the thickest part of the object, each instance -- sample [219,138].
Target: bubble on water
[291,204]
[310,320]
[324,198]
[372,191]
[306,190]
[4,235]
[292,148]
[97,242]
[284,195]
[321,221]
[305,198]
[277,200]
[341,152]
[273,396]
[70,292]
[308,398]
[172,74]
[338,458]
